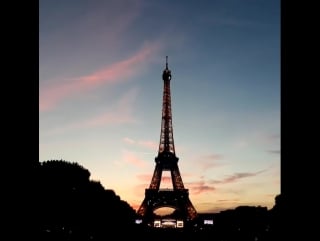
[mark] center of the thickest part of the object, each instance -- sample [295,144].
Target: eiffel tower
[178,197]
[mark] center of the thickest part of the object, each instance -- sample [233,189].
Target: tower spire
[166,136]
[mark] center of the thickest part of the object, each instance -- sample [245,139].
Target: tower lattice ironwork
[178,196]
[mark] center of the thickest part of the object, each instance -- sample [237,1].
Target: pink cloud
[151,145]
[212,157]
[166,180]
[128,140]
[113,74]
[107,118]
[121,114]
[144,177]
[200,187]
[208,165]
[129,157]
[104,119]
[209,161]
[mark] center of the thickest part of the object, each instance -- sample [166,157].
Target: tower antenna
[166,62]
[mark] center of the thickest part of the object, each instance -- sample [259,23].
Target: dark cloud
[275,136]
[235,177]
[200,187]
[274,151]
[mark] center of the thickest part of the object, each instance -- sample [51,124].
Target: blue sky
[100,94]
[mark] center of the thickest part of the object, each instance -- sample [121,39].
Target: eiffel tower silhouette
[178,197]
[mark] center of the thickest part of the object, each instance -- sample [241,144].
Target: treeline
[67,205]
[70,206]
[247,223]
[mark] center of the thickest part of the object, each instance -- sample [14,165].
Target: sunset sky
[100,94]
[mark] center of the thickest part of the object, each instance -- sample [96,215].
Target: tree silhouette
[71,206]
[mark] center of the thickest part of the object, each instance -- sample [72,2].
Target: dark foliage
[70,206]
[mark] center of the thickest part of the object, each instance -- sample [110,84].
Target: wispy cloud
[212,157]
[241,144]
[132,159]
[235,177]
[121,113]
[200,187]
[274,151]
[118,72]
[151,145]
[128,140]
[209,161]
[144,177]
[274,137]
